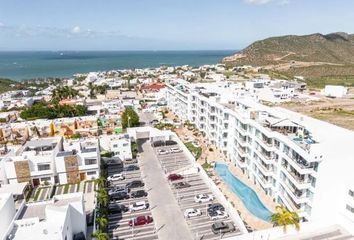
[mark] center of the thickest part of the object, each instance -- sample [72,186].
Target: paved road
[167,215]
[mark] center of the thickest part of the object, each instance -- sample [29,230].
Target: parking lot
[200,226]
[118,227]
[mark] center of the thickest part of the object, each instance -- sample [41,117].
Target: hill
[7,85]
[312,56]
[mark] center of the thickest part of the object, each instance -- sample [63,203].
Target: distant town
[208,152]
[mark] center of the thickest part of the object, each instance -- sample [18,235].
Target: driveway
[169,221]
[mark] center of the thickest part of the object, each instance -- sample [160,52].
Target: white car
[215,215]
[117,190]
[163,152]
[192,212]
[116,177]
[138,206]
[202,198]
[175,150]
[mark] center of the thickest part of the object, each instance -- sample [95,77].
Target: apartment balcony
[290,204]
[241,152]
[266,183]
[298,182]
[265,158]
[299,167]
[296,197]
[265,145]
[265,171]
[242,131]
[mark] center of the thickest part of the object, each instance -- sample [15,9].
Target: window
[45,179]
[91,173]
[43,167]
[90,161]
[351,193]
[115,145]
[349,208]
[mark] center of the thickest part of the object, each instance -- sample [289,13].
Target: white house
[335,91]
[118,144]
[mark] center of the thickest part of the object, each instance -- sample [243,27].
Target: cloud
[263,2]
[2,24]
[76,29]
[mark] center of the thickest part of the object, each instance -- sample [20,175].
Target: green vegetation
[66,188]
[164,126]
[97,89]
[46,111]
[7,85]
[196,151]
[76,136]
[283,217]
[100,235]
[36,195]
[64,92]
[130,118]
[107,154]
[134,149]
[206,165]
[319,83]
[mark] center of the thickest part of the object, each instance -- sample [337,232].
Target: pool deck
[248,217]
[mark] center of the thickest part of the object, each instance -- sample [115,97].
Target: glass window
[43,167]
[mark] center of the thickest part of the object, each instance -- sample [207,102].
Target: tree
[100,235]
[284,217]
[102,222]
[101,182]
[130,118]
[102,197]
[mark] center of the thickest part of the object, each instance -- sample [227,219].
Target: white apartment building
[118,144]
[51,160]
[59,219]
[301,162]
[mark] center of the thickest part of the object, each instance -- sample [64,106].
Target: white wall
[7,212]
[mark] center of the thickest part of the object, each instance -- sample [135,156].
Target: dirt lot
[336,111]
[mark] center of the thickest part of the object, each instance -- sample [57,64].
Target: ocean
[28,65]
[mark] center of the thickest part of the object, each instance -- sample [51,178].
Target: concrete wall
[7,213]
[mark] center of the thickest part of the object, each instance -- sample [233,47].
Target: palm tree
[284,217]
[102,222]
[99,235]
[102,197]
[101,212]
[101,182]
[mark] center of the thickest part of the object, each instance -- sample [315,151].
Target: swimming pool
[245,193]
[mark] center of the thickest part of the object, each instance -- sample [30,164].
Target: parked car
[119,196]
[192,212]
[118,190]
[222,227]
[138,206]
[158,143]
[214,207]
[202,198]
[181,185]
[138,194]
[163,152]
[170,142]
[116,177]
[215,215]
[174,177]
[131,168]
[175,150]
[117,208]
[130,161]
[140,220]
[134,184]
[154,121]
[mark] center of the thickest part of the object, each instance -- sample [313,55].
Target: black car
[222,227]
[138,194]
[170,142]
[181,185]
[158,143]
[134,184]
[117,208]
[119,196]
[213,207]
[131,168]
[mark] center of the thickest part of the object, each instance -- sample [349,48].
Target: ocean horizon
[22,65]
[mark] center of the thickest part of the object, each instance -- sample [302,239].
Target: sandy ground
[338,111]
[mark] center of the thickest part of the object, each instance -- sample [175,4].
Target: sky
[163,24]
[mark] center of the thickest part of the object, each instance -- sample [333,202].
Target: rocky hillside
[294,54]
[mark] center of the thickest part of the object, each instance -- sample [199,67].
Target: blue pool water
[245,193]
